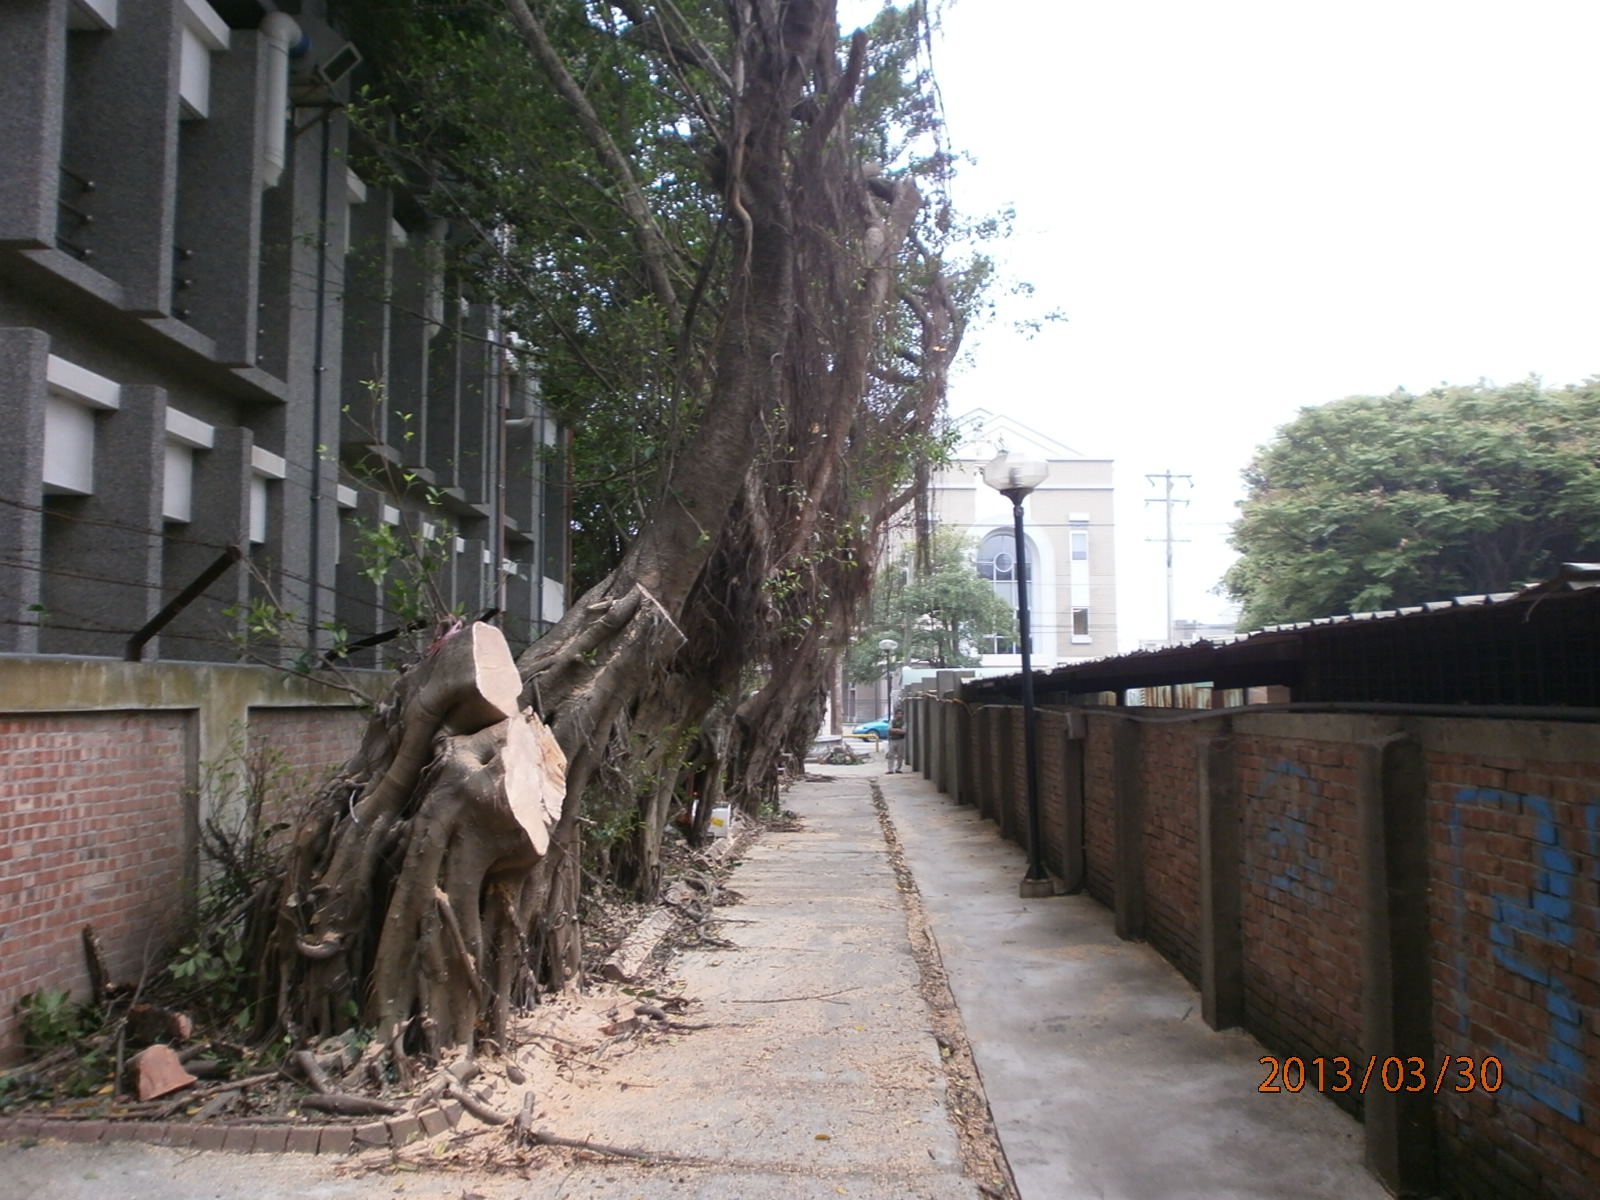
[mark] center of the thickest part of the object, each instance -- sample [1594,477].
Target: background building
[214,333]
[1068,522]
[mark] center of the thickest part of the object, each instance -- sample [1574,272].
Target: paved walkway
[822,1078]
[1103,1080]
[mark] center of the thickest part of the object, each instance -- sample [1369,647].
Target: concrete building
[214,333]
[1068,523]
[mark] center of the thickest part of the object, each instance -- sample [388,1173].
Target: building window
[1080,625]
[1078,543]
[204,34]
[266,468]
[997,562]
[74,396]
[185,435]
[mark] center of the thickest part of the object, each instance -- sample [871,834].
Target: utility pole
[1169,501]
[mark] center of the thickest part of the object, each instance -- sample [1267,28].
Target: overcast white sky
[1249,206]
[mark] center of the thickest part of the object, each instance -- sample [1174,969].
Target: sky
[1244,208]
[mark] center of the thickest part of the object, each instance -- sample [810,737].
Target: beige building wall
[1068,522]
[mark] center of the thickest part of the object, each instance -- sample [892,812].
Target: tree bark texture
[405,898]
[438,882]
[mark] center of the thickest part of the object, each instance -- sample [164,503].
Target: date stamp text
[1460,1074]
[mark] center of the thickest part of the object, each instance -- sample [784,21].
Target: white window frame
[185,435]
[265,468]
[73,395]
[204,34]
[92,14]
[1086,635]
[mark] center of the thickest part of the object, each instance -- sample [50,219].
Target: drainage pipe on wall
[285,41]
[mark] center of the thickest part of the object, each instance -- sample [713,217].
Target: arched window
[997,562]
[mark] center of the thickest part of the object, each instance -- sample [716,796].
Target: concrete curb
[290,1137]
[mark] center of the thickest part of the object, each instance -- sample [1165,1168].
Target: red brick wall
[1169,774]
[1514,873]
[95,829]
[311,740]
[1302,917]
[971,783]
[1099,812]
[1053,789]
[994,759]
[1013,777]
[301,748]
[1514,895]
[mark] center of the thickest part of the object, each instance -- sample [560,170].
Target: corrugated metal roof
[1400,651]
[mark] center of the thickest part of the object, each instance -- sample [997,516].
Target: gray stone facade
[213,333]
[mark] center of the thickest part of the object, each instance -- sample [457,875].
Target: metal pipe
[319,370]
[284,36]
[134,650]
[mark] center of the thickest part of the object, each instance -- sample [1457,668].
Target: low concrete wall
[105,778]
[1360,887]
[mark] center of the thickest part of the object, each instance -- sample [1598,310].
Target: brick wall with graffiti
[1514,870]
[1513,894]
[1302,923]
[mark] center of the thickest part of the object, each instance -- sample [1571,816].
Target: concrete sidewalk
[1103,1080]
[813,1072]
[818,1075]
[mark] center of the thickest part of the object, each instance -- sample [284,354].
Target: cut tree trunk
[401,903]
[440,876]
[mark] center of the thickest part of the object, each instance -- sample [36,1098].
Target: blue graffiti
[1289,835]
[1517,924]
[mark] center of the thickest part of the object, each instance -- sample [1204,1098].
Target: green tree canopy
[1372,502]
[940,617]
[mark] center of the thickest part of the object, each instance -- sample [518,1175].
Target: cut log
[473,682]
[534,773]
[481,819]
[522,1129]
[468,682]
[624,966]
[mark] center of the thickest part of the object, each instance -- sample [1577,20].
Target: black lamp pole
[888,646]
[1015,476]
[1036,872]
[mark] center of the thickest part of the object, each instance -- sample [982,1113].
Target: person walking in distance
[894,753]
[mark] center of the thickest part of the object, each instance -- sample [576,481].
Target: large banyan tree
[707,225]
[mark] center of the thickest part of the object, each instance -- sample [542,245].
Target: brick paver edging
[390,1133]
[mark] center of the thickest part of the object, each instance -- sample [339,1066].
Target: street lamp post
[888,646]
[1014,476]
